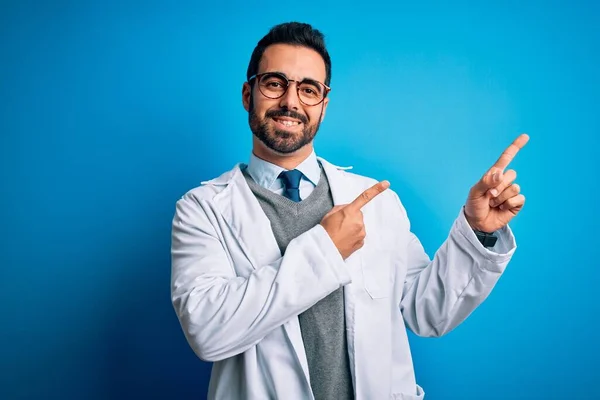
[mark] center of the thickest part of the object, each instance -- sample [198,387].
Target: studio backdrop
[111,111]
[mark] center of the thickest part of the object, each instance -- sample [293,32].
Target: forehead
[296,62]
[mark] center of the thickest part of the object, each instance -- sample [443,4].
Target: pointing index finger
[511,151]
[368,195]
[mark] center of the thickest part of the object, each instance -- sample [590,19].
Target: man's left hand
[496,199]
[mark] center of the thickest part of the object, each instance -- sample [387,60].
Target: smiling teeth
[289,123]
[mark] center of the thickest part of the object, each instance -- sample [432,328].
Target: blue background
[110,112]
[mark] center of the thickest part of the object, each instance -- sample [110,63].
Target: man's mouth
[287,122]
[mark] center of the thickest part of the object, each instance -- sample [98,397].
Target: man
[297,278]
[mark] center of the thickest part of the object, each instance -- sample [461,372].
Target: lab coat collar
[235,173]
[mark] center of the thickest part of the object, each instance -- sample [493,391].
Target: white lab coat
[238,299]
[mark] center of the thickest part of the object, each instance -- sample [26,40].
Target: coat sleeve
[439,294]
[222,314]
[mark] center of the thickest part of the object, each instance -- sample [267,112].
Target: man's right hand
[344,223]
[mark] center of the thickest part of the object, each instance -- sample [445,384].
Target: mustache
[286,113]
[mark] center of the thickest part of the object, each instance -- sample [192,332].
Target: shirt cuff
[503,249]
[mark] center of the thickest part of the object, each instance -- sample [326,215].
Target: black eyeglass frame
[258,76]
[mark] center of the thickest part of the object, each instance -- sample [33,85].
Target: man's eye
[310,91]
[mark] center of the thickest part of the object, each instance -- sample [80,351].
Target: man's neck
[287,161]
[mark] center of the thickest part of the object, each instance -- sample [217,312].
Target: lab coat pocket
[376,270]
[403,396]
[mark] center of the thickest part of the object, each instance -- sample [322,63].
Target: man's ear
[323,111]
[246,93]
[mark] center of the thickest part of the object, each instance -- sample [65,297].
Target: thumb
[491,179]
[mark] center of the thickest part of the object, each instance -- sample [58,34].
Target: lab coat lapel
[248,222]
[340,185]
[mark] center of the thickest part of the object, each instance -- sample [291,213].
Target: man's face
[285,125]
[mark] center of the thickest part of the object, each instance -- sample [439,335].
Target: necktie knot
[291,181]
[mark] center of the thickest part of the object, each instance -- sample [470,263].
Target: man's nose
[290,99]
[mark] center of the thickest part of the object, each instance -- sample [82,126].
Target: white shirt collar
[266,174]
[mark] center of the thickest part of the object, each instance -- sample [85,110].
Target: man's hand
[496,199]
[345,224]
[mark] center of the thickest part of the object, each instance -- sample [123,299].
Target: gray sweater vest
[323,325]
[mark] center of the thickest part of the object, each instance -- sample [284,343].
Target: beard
[281,141]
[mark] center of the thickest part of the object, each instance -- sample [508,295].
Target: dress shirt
[266,174]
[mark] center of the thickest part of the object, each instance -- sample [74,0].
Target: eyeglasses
[274,85]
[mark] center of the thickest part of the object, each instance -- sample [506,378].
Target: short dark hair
[294,33]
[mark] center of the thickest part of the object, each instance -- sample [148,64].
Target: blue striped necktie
[291,181]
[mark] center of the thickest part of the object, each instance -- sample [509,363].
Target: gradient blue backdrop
[110,112]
